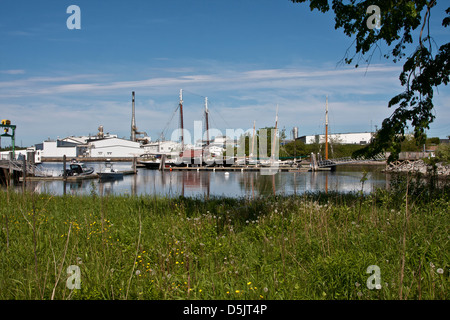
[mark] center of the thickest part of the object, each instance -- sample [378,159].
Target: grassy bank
[306,247]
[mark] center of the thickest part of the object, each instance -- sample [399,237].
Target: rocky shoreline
[417,166]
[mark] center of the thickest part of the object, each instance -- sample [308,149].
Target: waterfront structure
[114,148]
[104,146]
[360,138]
[162,147]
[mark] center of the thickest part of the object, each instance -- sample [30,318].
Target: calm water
[204,183]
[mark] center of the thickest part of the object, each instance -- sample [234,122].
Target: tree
[423,70]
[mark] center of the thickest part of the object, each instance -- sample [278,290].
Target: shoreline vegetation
[312,246]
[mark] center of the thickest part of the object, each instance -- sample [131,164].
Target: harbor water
[193,183]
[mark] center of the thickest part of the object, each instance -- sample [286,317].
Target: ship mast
[133,119]
[326,130]
[275,136]
[181,119]
[206,118]
[253,140]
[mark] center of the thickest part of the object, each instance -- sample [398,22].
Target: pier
[16,169]
[318,164]
[239,168]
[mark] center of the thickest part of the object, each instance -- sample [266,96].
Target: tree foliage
[424,69]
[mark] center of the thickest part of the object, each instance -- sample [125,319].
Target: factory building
[360,138]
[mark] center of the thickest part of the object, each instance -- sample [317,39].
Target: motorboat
[109,173]
[78,169]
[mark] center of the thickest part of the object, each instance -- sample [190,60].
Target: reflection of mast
[181,119]
[326,130]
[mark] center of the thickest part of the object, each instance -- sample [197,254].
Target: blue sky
[246,56]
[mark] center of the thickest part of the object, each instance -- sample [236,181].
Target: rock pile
[417,166]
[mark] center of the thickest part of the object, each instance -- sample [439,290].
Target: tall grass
[314,246]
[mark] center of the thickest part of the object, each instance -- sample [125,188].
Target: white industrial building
[165,147]
[114,148]
[339,138]
[90,147]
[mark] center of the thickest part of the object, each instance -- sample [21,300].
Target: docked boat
[156,161]
[109,173]
[78,169]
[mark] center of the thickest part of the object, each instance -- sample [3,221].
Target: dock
[238,168]
[72,178]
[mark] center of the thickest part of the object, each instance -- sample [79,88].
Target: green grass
[314,246]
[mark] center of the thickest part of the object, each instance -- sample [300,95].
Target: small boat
[109,173]
[78,169]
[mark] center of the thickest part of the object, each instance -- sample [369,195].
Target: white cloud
[13,71]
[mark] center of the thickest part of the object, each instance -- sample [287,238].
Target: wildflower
[249,283]
[138,272]
[432,265]
[440,271]
[265,289]
[237,291]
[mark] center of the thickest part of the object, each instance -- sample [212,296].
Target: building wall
[51,150]
[162,147]
[115,147]
[340,138]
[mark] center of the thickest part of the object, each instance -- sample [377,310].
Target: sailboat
[160,160]
[272,161]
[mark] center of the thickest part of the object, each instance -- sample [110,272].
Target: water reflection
[206,183]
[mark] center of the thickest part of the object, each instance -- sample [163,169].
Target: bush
[443,153]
